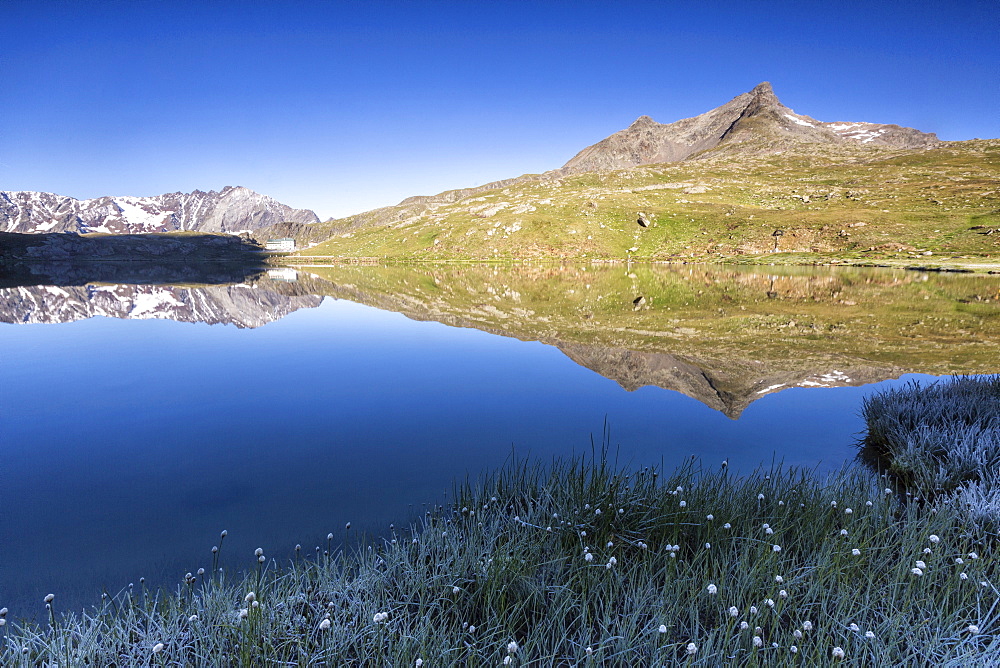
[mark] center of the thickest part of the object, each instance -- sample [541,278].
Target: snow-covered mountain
[233,210]
[244,305]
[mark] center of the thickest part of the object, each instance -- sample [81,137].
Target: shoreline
[576,562]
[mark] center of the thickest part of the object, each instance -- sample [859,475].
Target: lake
[138,421]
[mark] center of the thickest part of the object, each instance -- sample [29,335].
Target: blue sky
[343,107]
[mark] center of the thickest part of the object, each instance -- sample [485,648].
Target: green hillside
[860,204]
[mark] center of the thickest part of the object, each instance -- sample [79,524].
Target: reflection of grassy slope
[937,323]
[908,202]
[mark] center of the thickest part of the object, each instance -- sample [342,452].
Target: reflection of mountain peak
[243,305]
[728,388]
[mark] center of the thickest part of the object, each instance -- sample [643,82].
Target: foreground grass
[576,564]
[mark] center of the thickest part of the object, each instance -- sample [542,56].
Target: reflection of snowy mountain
[728,386]
[243,305]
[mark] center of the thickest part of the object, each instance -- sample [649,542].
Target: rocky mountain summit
[751,118]
[232,210]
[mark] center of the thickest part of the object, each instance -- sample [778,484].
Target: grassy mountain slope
[854,202]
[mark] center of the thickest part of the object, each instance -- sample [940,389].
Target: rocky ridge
[231,210]
[741,122]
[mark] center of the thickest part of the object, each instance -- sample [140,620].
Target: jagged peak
[643,121]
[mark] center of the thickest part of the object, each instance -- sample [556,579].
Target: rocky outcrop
[753,116]
[232,210]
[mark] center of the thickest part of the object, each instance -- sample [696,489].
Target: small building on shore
[284,244]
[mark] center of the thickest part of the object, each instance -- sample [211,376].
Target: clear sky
[346,106]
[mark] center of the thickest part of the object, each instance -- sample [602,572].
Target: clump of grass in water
[942,441]
[579,563]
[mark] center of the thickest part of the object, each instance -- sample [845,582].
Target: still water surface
[128,444]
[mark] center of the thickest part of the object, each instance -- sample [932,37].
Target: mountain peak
[643,121]
[753,122]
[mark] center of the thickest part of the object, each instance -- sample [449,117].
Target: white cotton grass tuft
[49,598]
[934,539]
[512,647]
[973,629]
[838,653]
[856,552]
[691,649]
[920,564]
[157,648]
[734,611]
[807,625]
[757,641]
[663,628]
[250,598]
[916,571]
[380,617]
[325,625]
[712,589]
[854,627]
[776,548]
[588,557]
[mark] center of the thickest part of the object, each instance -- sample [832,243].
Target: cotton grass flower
[663,628]
[779,579]
[757,641]
[744,626]
[325,625]
[588,557]
[157,648]
[973,629]
[934,539]
[870,635]
[854,627]
[963,576]
[797,634]
[807,625]
[709,517]
[793,649]
[380,617]
[512,647]
[838,653]
[917,572]
[691,649]
[856,552]
[921,565]
[776,548]
[727,525]
[683,504]
[712,589]
[734,611]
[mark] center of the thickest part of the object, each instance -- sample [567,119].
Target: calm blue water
[127,445]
